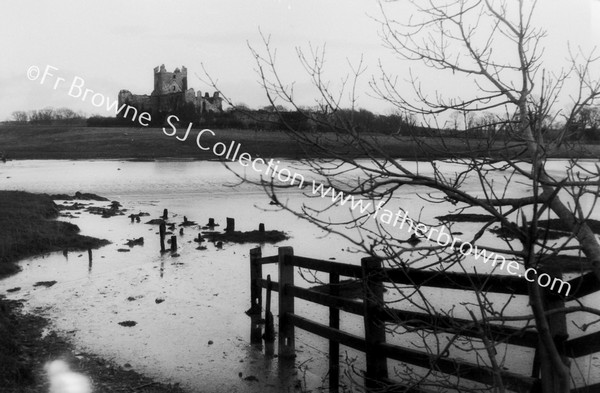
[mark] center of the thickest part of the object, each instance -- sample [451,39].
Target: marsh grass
[27,228]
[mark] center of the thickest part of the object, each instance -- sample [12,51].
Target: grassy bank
[77,142]
[27,228]
[67,142]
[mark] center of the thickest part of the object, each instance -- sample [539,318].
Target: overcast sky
[115,45]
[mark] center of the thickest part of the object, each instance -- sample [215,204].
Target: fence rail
[370,306]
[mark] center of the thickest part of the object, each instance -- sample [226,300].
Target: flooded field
[187,312]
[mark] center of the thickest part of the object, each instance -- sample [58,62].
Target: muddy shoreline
[34,344]
[27,341]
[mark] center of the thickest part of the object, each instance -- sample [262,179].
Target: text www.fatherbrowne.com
[78,90]
[400,218]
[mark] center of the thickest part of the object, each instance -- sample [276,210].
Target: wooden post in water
[230,225]
[165,214]
[287,343]
[162,229]
[334,346]
[261,227]
[89,259]
[173,243]
[372,269]
[255,275]
[255,296]
[211,222]
[269,335]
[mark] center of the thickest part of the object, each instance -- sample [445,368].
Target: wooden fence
[377,351]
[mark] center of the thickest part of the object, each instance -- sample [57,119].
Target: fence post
[334,346]
[255,275]
[557,324]
[286,303]
[269,335]
[255,296]
[372,269]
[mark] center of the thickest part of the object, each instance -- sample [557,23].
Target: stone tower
[171,96]
[169,82]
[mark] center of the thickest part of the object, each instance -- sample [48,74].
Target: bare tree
[20,116]
[515,94]
[66,114]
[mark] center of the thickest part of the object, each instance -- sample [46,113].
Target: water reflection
[207,289]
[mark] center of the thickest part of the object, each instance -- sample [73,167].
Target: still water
[189,310]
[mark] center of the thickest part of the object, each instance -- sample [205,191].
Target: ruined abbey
[171,96]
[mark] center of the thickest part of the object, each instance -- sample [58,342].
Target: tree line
[46,115]
[584,127]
